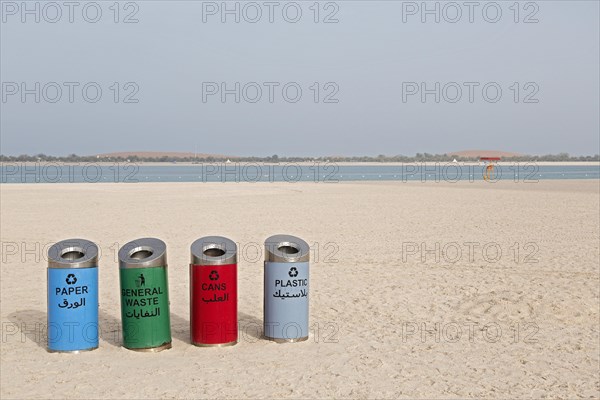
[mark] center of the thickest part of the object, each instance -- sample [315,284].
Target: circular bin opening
[139,253]
[72,253]
[214,252]
[287,248]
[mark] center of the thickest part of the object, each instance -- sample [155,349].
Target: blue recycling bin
[73,296]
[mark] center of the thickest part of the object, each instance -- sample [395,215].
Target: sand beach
[418,290]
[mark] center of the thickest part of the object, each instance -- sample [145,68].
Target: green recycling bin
[145,295]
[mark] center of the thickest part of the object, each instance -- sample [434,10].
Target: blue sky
[501,82]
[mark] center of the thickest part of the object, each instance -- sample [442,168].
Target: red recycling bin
[213,292]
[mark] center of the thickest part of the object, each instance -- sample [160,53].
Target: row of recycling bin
[144,289]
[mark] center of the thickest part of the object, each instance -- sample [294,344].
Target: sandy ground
[388,320]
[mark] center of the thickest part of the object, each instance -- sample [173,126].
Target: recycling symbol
[293,272]
[214,275]
[71,280]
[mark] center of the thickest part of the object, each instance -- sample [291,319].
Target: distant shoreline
[306,163]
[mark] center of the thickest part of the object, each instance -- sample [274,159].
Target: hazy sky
[375,61]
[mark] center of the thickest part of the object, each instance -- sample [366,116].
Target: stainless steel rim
[213,250]
[151,349]
[71,351]
[143,253]
[286,248]
[280,340]
[215,344]
[73,253]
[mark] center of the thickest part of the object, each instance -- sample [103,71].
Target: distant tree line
[419,157]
